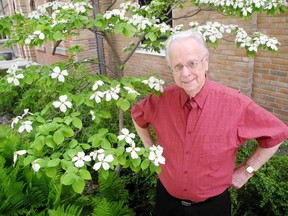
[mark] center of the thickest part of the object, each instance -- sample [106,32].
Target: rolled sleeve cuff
[138,118]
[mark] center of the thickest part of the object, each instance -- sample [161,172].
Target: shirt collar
[199,98]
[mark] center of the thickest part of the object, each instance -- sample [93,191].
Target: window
[32,5]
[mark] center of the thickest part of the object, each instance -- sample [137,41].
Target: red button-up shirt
[200,145]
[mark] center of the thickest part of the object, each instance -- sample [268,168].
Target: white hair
[185,35]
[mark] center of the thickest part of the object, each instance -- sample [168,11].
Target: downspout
[99,41]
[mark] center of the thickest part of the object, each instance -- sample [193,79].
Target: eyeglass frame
[197,63]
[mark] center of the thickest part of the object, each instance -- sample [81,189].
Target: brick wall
[270,86]
[264,79]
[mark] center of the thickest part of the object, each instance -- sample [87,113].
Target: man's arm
[144,134]
[258,158]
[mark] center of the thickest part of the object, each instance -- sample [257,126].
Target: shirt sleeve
[143,111]
[257,123]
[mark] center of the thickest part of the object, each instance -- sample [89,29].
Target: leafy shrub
[267,191]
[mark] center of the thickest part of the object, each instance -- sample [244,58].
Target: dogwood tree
[58,134]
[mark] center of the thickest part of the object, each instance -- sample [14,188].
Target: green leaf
[28,80]
[104,114]
[112,138]
[77,122]
[122,160]
[53,162]
[58,120]
[43,130]
[85,146]
[71,153]
[40,119]
[85,174]
[46,128]
[58,137]
[67,131]
[104,173]
[68,178]
[72,169]
[151,35]
[123,104]
[50,141]
[65,164]
[92,138]
[119,27]
[105,143]
[51,172]
[27,160]
[102,132]
[74,114]
[68,120]
[57,35]
[145,163]
[136,162]
[78,24]
[119,151]
[39,143]
[73,143]
[131,97]
[78,185]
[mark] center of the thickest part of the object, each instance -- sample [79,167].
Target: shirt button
[185,190]
[189,132]
[187,152]
[185,172]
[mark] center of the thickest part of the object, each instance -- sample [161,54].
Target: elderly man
[201,124]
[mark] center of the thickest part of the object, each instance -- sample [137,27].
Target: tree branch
[55,46]
[128,56]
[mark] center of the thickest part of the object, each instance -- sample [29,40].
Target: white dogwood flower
[36,166]
[58,73]
[15,78]
[20,152]
[97,96]
[27,125]
[15,121]
[155,155]
[103,161]
[155,83]
[130,90]
[93,115]
[95,153]
[97,84]
[112,93]
[126,135]
[133,150]
[63,103]
[12,69]
[80,159]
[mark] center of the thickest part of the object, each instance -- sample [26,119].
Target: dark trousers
[166,205]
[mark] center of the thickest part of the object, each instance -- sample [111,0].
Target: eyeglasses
[192,65]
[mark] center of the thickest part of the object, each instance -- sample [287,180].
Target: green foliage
[43,177]
[141,186]
[65,211]
[267,191]
[110,208]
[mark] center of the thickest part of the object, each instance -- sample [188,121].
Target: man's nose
[186,71]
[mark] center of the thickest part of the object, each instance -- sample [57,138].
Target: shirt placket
[188,146]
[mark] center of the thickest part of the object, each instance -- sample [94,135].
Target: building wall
[264,78]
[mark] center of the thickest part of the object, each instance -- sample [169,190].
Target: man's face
[189,65]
